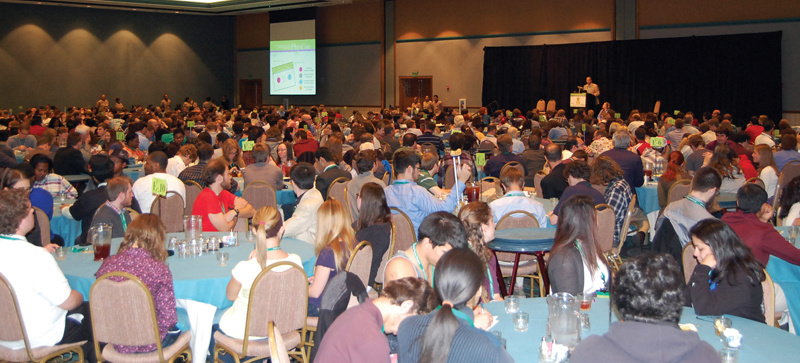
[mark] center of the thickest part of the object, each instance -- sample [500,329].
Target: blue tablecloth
[760,342]
[788,276]
[647,195]
[132,172]
[523,240]
[199,278]
[69,229]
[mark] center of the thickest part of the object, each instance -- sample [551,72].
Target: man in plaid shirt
[618,194]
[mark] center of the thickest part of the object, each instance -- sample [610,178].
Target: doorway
[411,87]
[250,92]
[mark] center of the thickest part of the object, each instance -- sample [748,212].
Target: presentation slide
[292,59]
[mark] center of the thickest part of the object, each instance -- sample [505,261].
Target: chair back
[450,178]
[429,148]
[123,312]
[192,191]
[278,297]
[657,107]
[679,190]
[600,188]
[551,105]
[537,183]
[487,145]
[403,229]
[489,183]
[44,226]
[517,219]
[170,209]
[386,256]
[352,207]
[623,233]
[360,262]
[260,194]
[387,177]
[10,317]
[605,227]
[769,299]
[277,347]
[758,182]
[515,165]
[337,190]
[541,106]
[689,262]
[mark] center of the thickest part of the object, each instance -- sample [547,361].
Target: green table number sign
[657,142]
[160,187]
[480,159]
[248,145]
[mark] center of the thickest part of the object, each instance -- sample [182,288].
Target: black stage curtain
[737,74]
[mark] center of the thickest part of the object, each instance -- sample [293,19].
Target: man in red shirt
[220,209]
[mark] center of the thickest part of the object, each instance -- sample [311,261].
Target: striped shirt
[55,184]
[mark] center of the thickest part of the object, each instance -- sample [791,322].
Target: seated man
[220,209]
[366,165]
[439,232]
[120,195]
[628,161]
[513,181]
[534,156]
[496,163]
[578,174]
[44,296]
[23,140]
[649,293]
[301,217]
[554,184]
[262,168]
[414,200]
[156,167]
[195,172]
[618,193]
[330,171]
[68,160]
[429,165]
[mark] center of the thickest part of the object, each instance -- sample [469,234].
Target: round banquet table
[68,228]
[200,283]
[647,195]
[132,172]
[523,240]
[760,342]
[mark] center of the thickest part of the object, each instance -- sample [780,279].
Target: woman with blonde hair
[232,154]
[478,221]
[333,246]
[268,228]
[767,169]
[143,255]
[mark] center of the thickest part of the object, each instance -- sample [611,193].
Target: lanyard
[124,222]
[459,314]
[514,194]
[401,182]
[330,166]
[419,262]
[276,248]
[696,201]
[491,283]
[12,237]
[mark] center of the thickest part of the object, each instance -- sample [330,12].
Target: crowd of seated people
[431,292]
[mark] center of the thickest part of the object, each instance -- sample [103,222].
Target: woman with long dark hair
[727,278]
[449,334]
[673,173]
[789,209]
[576,263]
[374,224]
[478,221]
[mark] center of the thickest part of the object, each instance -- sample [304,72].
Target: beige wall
[659,12]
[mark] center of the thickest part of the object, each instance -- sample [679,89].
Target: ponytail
[438,336]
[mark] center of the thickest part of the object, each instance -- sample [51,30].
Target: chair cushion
[180,345]
[256,348]
[21,355]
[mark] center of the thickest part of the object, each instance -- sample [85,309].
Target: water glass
[554,202]
[721,323]
[61,253]
[183,251]
[728,355]
[512,304]
[62,197]
[586,325]
[222,258]
[251,237]
[793,231]
[172,244]
[586,301]
[212,244]
[521,321]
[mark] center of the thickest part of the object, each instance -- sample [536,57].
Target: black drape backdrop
[737,74]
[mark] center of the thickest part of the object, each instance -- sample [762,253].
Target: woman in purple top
[477,219]
[142,254]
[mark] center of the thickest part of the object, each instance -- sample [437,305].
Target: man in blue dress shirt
[414,200]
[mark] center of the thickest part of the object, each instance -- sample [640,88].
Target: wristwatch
[237,212]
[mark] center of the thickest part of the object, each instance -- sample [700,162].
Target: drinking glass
[793,231]
[586,325]
[222,258]
[554,202]
[61,253]
[512,304]
[728,355]
[521,321]
[586,301]
[172,244]
[251,237]
[721,323]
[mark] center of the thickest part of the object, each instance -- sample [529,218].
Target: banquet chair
[488,146]
[337,190]
[44,226]
[385,259]
[537,183]
[541,106]
[528,265]
[615,258]
[404,231]
[13,329]
[689,262]
[515,165]
[170,209]
[429,148]
[192,191]
[551,105]
[123,313]
[352,208]
[277,297]
[489,183]
[360,261]
[277,346]
[757,181]
[387,177]
[450,178]
[679,190]
[605,227]
[260,194]
[769,299]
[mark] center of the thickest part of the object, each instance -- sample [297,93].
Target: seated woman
[359,334]
[724,161]
[576,263]
[478,221]
[429,338]
[143,255]
[45,179]
[374,224]
[285,157]
[649,293]
[673,173]
[767,169]
[727,279]
[333,245]
[789,209]
[232,155]
[268,228]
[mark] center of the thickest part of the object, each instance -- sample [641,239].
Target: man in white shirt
[766,135]
[156,167]
[513,181]
[303,221]
[44,296]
